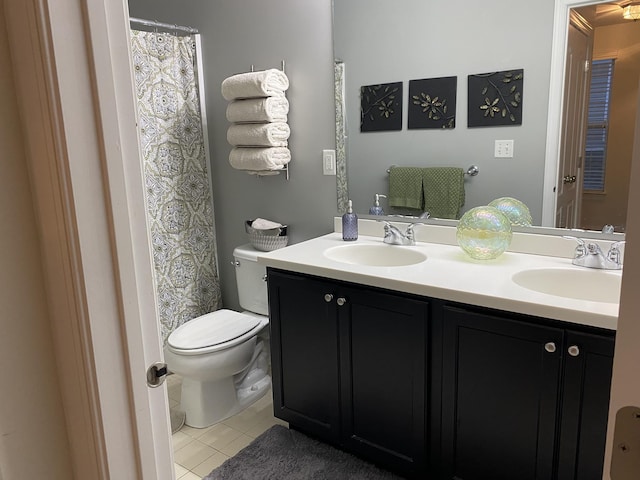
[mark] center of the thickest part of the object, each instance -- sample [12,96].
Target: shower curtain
[178,191]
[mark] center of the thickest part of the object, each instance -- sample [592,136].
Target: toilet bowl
[223,356]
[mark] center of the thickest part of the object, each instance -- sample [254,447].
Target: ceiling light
[631,12]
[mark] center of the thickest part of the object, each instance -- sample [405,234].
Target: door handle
[569,179]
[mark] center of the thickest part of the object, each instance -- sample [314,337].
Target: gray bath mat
[283,454]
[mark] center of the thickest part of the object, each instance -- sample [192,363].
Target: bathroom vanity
[442,368]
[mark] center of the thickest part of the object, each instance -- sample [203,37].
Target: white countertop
[449,274]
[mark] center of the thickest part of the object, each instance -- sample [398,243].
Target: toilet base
[208,403]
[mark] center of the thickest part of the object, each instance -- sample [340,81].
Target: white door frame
[71,59]
[556,101]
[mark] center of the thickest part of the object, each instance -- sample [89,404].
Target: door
[569,182]
[585,405]
[88,188]
[383,376]
[500,394]
[304,353]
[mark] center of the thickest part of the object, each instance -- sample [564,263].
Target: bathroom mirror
[415,40]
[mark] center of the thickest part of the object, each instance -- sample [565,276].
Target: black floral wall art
[495,98]
[381,107]
[432,103]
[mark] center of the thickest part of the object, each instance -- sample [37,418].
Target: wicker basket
[267,240]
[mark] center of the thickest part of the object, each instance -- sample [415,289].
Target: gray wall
[414,39]
[235,35]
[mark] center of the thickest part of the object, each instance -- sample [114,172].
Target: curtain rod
[153,23]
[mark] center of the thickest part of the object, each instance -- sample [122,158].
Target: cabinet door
[500,396]
[304,339]
[585,405]
[383,353]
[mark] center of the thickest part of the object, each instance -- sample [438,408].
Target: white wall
[414,39]
[236,35]
[33,437]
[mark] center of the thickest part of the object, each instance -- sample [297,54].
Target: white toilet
[223,356]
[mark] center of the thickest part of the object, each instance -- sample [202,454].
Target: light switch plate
[504,149]
[328,162]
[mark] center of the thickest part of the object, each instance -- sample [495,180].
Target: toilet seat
[214,331]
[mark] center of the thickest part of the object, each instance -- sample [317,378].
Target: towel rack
[472,171]
[269,173]
[281,66]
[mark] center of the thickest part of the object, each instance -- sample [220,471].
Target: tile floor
[197,451]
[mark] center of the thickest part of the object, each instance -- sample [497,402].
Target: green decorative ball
[517,212]
[484,233]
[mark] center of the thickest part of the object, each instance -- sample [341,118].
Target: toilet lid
[212,329]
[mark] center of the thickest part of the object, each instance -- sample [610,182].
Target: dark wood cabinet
[585,405]
[518,395]
[304,354]
[383,377]
[426,387]
[368,345]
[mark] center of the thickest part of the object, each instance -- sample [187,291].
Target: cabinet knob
[341,301]
[574,351]
[550,347]
[328,297]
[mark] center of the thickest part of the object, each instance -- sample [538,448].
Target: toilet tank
[251,280]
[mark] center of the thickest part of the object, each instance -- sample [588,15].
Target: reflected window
[598,124]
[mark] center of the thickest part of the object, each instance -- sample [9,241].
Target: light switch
[328,162]
[504,149]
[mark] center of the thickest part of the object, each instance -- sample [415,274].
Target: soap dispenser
[376,209]
[349,224]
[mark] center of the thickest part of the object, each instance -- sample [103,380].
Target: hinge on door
[587,66]
[156,374]
[625,459]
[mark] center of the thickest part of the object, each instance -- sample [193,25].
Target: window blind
[598,124]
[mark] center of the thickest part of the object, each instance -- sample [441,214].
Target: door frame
[77,106]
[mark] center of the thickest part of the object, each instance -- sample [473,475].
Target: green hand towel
[443,191]
[405,187]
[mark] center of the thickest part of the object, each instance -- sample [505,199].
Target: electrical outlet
[504,149]
[328,162]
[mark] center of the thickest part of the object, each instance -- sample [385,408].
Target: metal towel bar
[472,171]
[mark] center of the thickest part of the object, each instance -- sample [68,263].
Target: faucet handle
[412,225]
[614,251]
[581,248]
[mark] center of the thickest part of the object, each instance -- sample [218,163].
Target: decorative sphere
[516,211]
[484,233]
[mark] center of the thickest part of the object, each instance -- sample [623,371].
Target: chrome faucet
[590,255]
[393,235]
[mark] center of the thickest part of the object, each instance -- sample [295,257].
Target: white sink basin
[381,255]
[579,284]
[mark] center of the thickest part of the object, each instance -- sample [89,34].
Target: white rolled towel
[269,109]
[258,159]
[263,224]
[259,134]
[265,83]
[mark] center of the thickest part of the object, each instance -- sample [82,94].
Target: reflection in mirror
[386,45]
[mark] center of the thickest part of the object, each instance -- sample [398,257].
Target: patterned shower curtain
[178,193]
